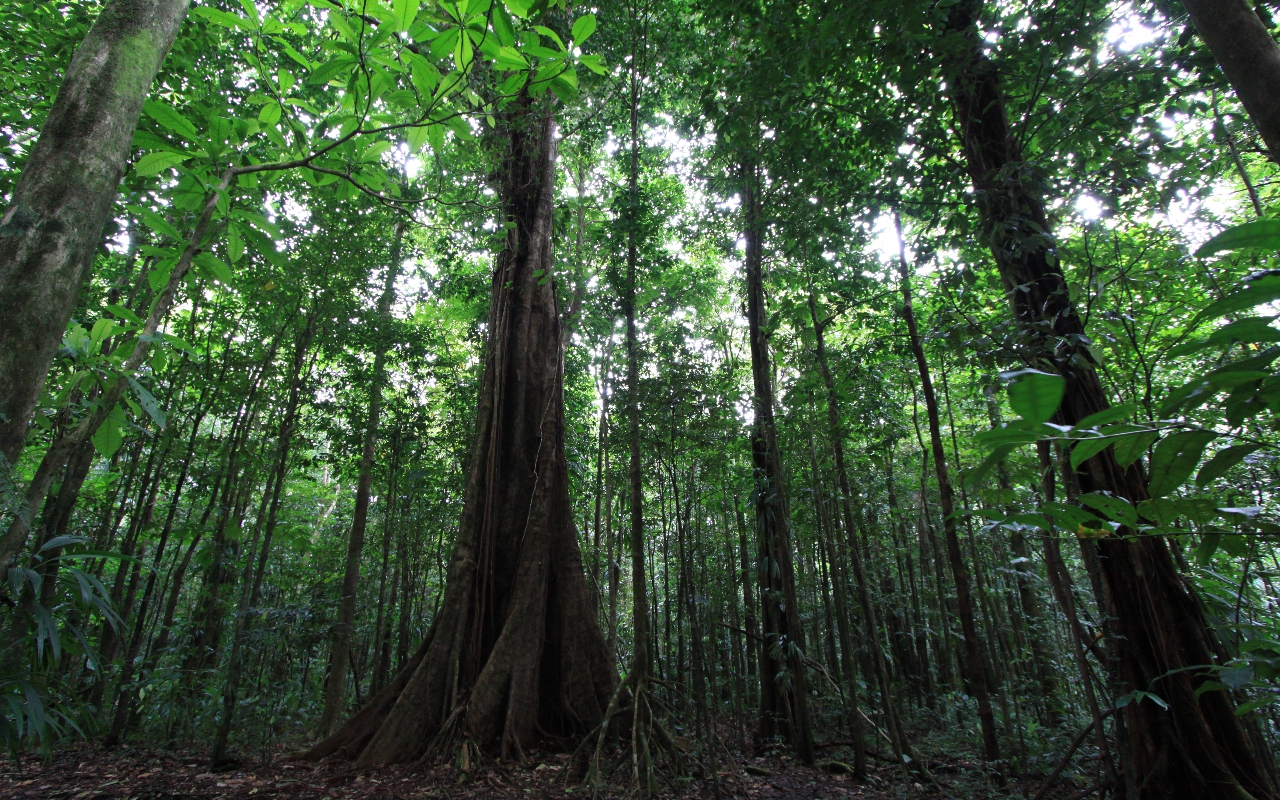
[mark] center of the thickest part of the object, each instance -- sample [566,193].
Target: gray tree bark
[1249,58]
[63,199]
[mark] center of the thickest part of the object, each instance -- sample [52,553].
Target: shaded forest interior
[471,398]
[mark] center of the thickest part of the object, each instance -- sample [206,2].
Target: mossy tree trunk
[55,217]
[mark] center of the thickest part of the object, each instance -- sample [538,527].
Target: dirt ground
[87,773]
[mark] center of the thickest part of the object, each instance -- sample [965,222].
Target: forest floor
[85,772]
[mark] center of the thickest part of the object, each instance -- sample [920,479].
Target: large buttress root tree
[63,199]
[1197,747]
[515,651]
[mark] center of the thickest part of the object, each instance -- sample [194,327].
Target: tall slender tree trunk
[602,466]
[870,620]
[748,591]
[380,629]
[642,658]
[784,698]
[64,197]
[515,649]
[975,657]
[1197,747]
[335,688]
[252,589]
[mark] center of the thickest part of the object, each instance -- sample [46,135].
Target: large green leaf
[1116,508]
[1254,293]
[1106,415]
[1035,395]
[1086,449]
[169,117]
[147,402]
[1249,329]
[1175,458]
[1223,461]
[108,438]
[1264,233]
[583,27]
[1129,448]
[155,163]
[404,12]
[215,268]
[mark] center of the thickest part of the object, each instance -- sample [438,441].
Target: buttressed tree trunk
[61,203]
[1249,58]
[515,650]
[1198,747]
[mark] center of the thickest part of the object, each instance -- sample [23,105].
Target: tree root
[646,732]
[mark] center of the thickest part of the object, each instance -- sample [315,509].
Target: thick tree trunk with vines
[515,651]
[1198,747]
[784,698]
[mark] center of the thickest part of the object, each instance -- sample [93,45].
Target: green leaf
[251,10]
[159,275]
[148,402]
[108,438]
[565,86]
[555,37]
[503,27]
[594,63]
[404,12]
[375,151]
[337,68]
[1264,233]
[1034,395]
[1249,329]
[417,137]
[1175,458]
[215,268]
[1129,448]
[518,7]
[155,163]
[294,54]
[974,476]
[1105,416]
[222,18]
[1254,293]
[157,223]
[258,221]
[510,58]
[425,76]
[435,135]
[1065,516]
[1116,508]
[583,27]
[124,313]
[1223,461]
[235,243]
[270,113]
[1086,449]
[169,117]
